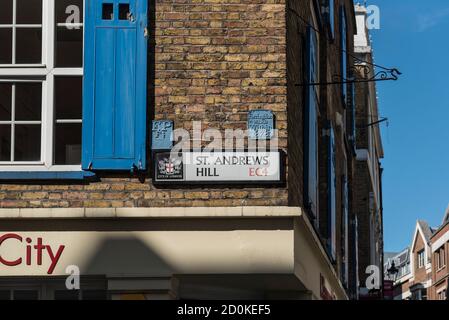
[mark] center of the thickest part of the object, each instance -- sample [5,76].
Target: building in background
[399,279]
[422,272]
[367,191]
[421,261]
[87,182]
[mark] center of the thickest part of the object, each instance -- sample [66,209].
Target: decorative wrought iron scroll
[364,71]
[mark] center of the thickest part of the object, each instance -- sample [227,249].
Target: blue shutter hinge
[136,168]
[90,165]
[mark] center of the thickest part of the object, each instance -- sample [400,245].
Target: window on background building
[41,69]
[419,294]
[405,269]
[440,258]
[421,258]
[423,294]
[442,295]
[311,124]
[443,257]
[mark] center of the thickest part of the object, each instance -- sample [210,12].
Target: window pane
[69,47]
[63,5]
[5,142]
[28,101]
[124,11]
[6,47]
[108,11]
[67,143]
[6,12]
[66,294]
[29,45]
[29,11]
[68,97]
[25,295]
[5,101]
[27,146]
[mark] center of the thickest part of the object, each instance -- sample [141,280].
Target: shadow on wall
[128,256]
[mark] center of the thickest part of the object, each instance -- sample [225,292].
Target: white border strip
[156,212]
[437,244]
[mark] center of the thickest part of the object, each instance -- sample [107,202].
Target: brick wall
[420,274]
[440,273]
[402,288]
[362,115]
[210,61]
[439,276]
[361,209]
[370,220]
[213,61]
[296,42]
[130,192]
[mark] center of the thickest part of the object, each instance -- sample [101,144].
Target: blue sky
[413,38]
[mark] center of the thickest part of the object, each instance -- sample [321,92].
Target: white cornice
[166,212]
[437,244]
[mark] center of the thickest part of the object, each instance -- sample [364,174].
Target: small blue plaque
[162,135]
[260,124]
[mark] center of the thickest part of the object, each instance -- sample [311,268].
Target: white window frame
[47,71]
[442,294]
[317,56]
[441,258]
[404,269]
[421,259]
[14,37]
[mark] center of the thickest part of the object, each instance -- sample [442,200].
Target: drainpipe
[381,170]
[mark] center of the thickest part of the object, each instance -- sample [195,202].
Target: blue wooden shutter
[311,125]
[332,17]
[352,109]
[344,54]
[355,250]
[345,231]
[332,184]
[114,101]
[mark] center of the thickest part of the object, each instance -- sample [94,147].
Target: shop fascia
[29,252]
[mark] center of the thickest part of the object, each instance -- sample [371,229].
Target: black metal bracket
[368,73]
[374,123]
